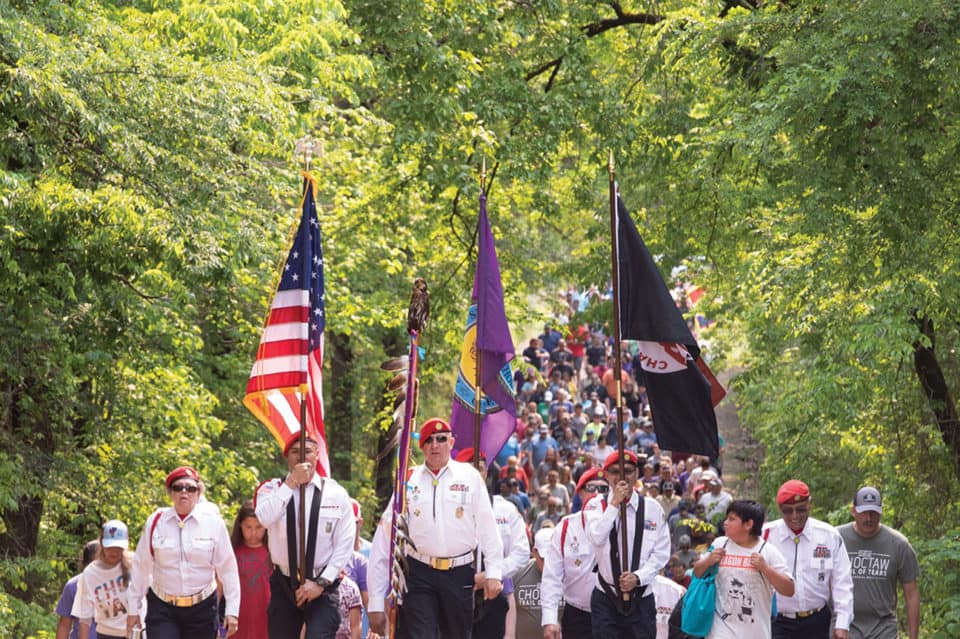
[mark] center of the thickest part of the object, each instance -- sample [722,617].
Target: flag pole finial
[305,148]
[483,173]
[611,167]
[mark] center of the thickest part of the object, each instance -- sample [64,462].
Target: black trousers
[575,623]
[165,621]
[490,616]
[608,623]
[816,626]
[438,603]
[285,619]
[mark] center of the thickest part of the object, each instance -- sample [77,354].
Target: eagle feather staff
[417,315]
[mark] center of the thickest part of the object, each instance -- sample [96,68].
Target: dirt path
[742,454]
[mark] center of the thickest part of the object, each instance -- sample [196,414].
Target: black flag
[679,392]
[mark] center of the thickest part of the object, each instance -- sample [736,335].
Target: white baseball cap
[541,541]
[115,535]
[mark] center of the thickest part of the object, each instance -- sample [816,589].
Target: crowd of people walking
[560,535]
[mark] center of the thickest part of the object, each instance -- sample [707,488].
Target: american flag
[289,362]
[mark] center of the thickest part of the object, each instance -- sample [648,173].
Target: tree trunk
[341,416]
[934,386]
[35,441]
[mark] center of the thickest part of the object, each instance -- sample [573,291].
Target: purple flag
[487,335]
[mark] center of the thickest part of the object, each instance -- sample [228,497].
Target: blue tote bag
[700,603]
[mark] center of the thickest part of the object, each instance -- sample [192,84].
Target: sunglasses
[597,488]
[440,439]
[184,488]
[789,510]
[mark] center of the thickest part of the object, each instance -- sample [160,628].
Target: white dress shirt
[513,535]
[567,569]
[185,556]
[449,515]
[818,561]
[655,550]
[336,526]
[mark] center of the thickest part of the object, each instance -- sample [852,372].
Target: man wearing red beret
[818,561]
[568,568]
[622,604]
[330,528]
[449,517]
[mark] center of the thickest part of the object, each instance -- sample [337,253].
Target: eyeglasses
[789,510]
[439,439]
[597,488]
[184,488]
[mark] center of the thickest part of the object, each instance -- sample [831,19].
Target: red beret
[431,426]
[629,457]
[179,473]
[293,439]
[593,473]
[466,455]
[793,491]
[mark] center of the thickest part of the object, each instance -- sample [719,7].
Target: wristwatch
[323,582]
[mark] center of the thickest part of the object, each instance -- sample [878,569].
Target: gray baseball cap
[868,499]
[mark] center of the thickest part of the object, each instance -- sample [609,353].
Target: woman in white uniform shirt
[182,550]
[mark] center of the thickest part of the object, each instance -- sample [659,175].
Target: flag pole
[477,409]
[618,400]
[304,147]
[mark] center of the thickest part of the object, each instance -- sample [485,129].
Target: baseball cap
[115,535]
[541,541]
[867,499]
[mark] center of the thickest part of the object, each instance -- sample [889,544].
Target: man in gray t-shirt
[880,558]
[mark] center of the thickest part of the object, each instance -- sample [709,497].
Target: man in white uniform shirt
[818,560]
[449,515]
[622,603]
[568,568]
[331,530]
[182,550]
[499,614]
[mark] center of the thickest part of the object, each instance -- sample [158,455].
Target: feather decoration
[417,316]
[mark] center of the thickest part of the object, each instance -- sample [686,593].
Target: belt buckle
[440,563]
[805,614]
[183,602]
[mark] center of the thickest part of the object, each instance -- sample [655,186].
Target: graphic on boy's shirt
[739,601]
[742,602]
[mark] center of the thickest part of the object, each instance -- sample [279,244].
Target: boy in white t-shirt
[749,572]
